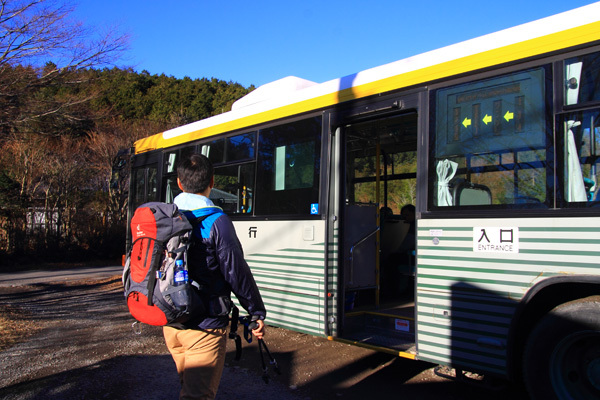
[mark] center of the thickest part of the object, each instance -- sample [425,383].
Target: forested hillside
[65,112]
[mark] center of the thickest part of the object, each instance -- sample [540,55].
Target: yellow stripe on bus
[529,48]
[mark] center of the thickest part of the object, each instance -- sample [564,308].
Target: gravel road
[83,347]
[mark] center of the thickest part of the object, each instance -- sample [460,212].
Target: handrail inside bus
[361,241]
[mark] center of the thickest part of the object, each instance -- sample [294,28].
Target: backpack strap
[152,271]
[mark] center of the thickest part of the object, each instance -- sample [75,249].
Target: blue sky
[256,42]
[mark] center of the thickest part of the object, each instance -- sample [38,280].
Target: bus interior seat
[465,193]
[393,233]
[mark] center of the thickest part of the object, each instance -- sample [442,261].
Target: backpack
[155,276]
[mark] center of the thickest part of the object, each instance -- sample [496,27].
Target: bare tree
[41,46]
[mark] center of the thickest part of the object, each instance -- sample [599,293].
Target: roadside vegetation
[66,110]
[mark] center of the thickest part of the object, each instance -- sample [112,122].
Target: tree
[42,48]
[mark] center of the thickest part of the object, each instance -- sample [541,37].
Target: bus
[493,144]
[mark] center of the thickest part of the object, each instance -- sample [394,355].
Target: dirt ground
[74,340]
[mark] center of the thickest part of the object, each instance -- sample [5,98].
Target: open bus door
[378,173]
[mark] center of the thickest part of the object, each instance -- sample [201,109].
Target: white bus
[495,141]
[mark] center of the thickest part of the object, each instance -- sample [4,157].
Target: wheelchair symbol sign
[314,208]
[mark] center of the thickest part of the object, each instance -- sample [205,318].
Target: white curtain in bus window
[581,156]
[446,170]
[574,176]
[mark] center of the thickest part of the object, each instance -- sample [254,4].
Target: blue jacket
[219,264]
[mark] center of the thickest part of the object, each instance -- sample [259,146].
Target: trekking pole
[265,376]
[272,360]
[262,345]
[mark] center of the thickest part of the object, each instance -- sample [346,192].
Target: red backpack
[155,278]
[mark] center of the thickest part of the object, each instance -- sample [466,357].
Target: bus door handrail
[361,241]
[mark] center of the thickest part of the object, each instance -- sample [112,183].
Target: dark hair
[409,207]
[195,173]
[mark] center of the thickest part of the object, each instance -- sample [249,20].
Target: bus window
[172,158]
[215,151]
[288,168]
[392,141]
[581,156]
[240,147]
[234,188]
[144,185]
[171,189]
[232,149]
[582,79]
[491,142]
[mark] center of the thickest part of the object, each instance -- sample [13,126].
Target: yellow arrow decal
[466,123]
[508,116]
[487,119]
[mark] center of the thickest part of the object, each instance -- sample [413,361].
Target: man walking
[216,262]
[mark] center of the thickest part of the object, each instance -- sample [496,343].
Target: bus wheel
[562,354]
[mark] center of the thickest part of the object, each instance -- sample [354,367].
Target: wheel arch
[539,300]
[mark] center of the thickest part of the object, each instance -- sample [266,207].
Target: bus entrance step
[389,322]
[378,338]
[386,324]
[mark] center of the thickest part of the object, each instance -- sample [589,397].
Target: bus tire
[562,353]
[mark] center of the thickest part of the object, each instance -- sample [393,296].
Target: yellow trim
[541,45]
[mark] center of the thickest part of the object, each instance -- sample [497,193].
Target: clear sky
[256,42]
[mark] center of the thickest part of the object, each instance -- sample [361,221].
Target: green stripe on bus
[559,229]
[452,297]
[473,310]
[486,352]
[474,290]
[479,260]
[311,251]
[503,325]
[493,333]
[284,256]
[481,270]
[559,240]
[251,261]
[501,358]
[564,252]
[477,280]
[257,269]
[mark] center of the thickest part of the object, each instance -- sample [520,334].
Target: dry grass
[14,326]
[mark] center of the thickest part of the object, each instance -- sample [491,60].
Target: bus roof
[571,28]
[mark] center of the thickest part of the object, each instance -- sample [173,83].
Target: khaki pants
[199,356]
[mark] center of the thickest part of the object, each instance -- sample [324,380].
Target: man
[216,261]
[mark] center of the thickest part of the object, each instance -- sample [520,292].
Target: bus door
[378,181]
